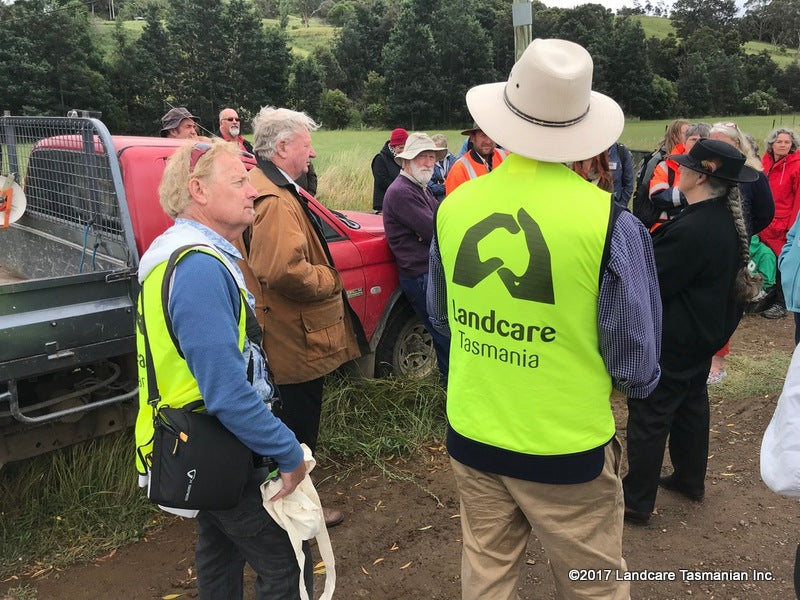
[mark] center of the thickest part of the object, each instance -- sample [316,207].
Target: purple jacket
[408,211]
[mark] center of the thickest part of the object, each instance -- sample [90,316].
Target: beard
[422,175]
[234,131]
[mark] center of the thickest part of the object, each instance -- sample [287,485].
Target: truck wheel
[406,347]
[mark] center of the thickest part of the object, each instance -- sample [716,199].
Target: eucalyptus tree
[409,66]
[463,59]
[49,62]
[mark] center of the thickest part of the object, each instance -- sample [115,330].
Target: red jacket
[784,181]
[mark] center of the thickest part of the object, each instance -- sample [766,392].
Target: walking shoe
[332,517]
[715,377]
[670,483]
[635,517]
[776,311]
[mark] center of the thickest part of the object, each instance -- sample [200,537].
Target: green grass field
[655,26]
[344,157]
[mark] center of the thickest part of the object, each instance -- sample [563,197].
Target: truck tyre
[405,348]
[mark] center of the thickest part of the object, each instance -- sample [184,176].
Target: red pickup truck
[68,281]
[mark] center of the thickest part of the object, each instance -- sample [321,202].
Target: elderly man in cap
[384,167]
[179,123]
[549,291]
[482,156]
[230,129]
[408,209]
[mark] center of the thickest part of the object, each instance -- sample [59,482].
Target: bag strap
[153,394]
[252,331]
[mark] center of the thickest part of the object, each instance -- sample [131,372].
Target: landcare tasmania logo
[535,284]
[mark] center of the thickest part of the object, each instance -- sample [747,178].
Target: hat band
[541,122]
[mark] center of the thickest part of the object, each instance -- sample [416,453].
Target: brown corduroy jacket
[308,330]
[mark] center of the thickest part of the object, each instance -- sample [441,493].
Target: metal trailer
[67,288]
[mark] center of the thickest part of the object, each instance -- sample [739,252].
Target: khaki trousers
[579,526]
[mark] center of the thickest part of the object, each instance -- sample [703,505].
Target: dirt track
[401,539]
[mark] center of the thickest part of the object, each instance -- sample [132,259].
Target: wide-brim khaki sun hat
[419,142]
[547,109]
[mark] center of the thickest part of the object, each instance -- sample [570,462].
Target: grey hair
[440,140]
[774,136]
[733,132]
[274,125]
[701,129]
[746,285]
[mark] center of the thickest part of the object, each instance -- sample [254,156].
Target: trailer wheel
[406,347]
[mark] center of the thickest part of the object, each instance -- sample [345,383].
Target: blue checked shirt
[629,308]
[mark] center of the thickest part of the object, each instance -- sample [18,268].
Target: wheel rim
[415,354]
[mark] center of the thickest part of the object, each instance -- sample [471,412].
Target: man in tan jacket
[309,327]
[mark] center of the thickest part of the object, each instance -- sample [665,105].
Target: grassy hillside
[660,27]
[655,26]
[302,40]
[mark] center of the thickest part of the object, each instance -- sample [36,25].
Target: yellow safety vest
[522,252]
[176,384]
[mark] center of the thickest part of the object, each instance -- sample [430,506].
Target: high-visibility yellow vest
[176,384]
[522,249]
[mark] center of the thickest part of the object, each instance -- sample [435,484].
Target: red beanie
[399,136]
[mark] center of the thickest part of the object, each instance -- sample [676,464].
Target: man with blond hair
[309,327]
[206,189]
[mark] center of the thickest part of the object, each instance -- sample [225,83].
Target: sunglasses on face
[231,119]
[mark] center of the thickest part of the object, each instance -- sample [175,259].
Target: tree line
[391,63]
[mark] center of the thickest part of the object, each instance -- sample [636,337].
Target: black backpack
[643,207]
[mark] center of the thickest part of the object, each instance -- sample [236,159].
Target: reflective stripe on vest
[471,170]
[176,383]
[522,249]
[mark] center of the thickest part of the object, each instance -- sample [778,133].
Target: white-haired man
[230,129]
[549,292]
[309,327]
[408,209]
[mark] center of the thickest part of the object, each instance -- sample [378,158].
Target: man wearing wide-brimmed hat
[179,123]
[408,209]
[482,156]
[548,290]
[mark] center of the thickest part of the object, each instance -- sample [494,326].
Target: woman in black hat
[702,258]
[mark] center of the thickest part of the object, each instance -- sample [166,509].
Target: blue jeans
[415,289]
[226,539]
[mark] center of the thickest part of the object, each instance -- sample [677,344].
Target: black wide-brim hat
[717,159]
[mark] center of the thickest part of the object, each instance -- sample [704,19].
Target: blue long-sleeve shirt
[204,305]
[629,307]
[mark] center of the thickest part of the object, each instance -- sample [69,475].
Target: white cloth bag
[300,514]
[780,447]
